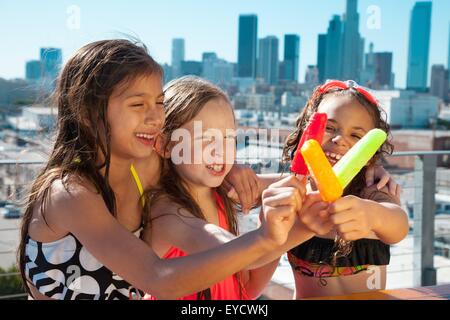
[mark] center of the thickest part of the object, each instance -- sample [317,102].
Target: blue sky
[206,25]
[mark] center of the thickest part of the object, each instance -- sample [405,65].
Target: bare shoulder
[66,201]
[166,207]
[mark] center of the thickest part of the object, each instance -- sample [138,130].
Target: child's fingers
[323,214]
[342,217]
[392,186]
[232,194]
[370,172]
[242,193]
[281,197]
[341,204]
[292,181]
[254,190]
[348,227]
[383,181]
[398,191]
[227,186]
[323,228]
[312,198]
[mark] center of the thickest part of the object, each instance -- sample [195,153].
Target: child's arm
[82,212]
[380,214]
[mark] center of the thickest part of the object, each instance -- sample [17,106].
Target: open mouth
[216,169]
[333,158]
[146,138]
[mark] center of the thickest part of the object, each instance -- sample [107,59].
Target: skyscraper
[268,59]
[247,42]
[353,45]
[377,73]
[448,58]
[177,56]
[439,82]
[51,61]
[312,76]
[333,49]
[291,57]
[321,54]
[383,69]
[190,67]
[33,70]
[419,45]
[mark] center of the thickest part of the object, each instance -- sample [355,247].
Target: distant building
[352,44]
[439,82]
[177,57]
[33,70]
[167,69]
[312,76]
[34,119]
[260,102]
[321,56]
[377,73]
[51,62]
[419,46]
[191,68]
[268,60]
[244,84]
[419,140]
[217,71]
[291,57]
[333,49]
[291,103]
[247,46]
[408,109]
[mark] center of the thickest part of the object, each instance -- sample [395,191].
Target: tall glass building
[177,57]
[353,44]
[333,49]
[321,55]
[51,61]
[247,42]
[33,70]
[291,56]
[419,46]
[268,63]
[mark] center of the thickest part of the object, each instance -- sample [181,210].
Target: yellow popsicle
[320,168]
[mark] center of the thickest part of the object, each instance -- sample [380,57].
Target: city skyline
[289,22]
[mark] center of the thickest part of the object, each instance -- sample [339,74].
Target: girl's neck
[199,192]
[204,197]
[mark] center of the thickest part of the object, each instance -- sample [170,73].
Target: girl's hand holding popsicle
[354,218]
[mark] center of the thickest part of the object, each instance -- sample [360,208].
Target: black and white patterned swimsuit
[65,270]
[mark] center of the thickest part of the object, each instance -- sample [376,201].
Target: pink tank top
[227,289]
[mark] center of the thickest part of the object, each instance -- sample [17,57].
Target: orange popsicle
[320,169]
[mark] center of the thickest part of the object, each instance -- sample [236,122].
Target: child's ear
[161,146]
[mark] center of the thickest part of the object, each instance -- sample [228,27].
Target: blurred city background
[268,56]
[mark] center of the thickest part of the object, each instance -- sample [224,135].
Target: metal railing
[420,183]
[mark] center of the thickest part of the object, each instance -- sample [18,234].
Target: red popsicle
[314,130]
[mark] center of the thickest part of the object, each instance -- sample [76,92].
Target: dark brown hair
[375,111]
[82,146]
[184,98]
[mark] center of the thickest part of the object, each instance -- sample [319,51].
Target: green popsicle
[358,156]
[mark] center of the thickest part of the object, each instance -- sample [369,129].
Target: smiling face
[348,122]
[135,116]
[216,143]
